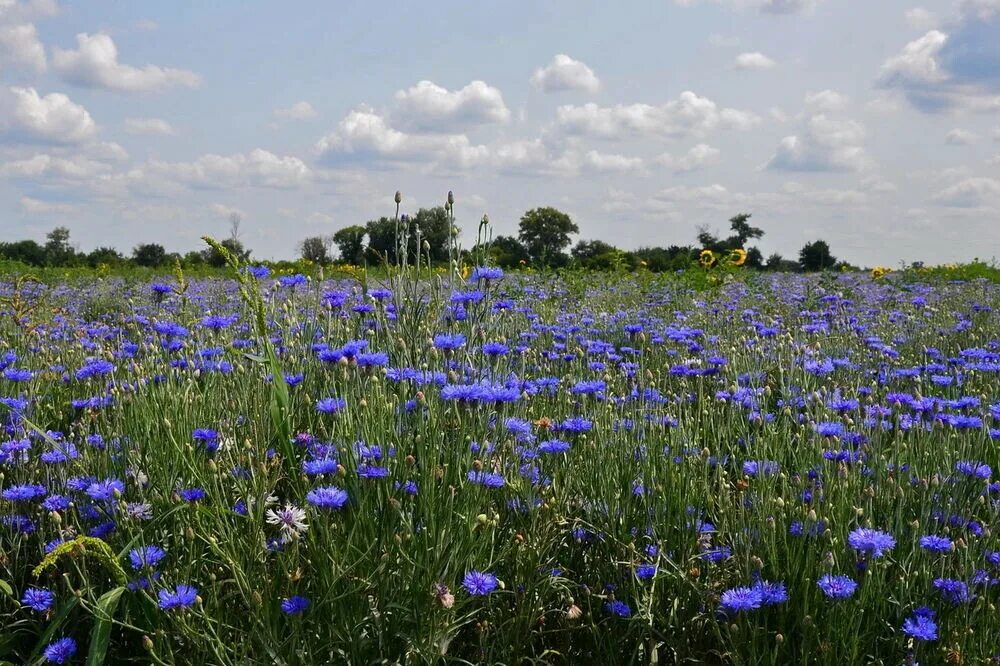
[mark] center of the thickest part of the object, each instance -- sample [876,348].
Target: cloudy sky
[873,125]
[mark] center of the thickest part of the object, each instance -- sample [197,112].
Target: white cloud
[688,114]
[919,18]
[604,162]
[428,106]
[94,64]
[258,168]
[825,101]
[224,211]
[39,207]
[73,168]
[20,46]
[960,137]
[298,111]
[564,73]
[697,157]
[149,126]
[772,7]
[753,60]
[824,144]
[54,118]
[969,193]
[365,135]
[12,11]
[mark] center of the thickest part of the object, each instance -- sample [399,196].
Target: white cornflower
[290,521]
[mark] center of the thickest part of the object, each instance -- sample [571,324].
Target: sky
[872,125]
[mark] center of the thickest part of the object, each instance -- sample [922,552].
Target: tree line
[544,240]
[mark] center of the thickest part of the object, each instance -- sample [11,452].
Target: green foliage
[150,255]
[314,249]
[815,256]
[350,242]
[545,233]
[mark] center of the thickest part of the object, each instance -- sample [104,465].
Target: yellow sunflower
[738,257]
[706,258]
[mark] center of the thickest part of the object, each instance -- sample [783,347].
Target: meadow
[524,468]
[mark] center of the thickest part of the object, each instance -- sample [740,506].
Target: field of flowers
[781,469]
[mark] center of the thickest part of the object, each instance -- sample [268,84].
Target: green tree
[314,249]
[815,256]
[350,242]
[433,225]
[507,252]
[151,255]
[597,255]
[58,251]
[214,258]
[545,233]
[382,239]
[104,255]
[26,251]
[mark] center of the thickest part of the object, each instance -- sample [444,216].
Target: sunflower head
[738,257]
[880,271]
[706,258]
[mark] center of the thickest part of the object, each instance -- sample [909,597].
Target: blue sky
[874,125]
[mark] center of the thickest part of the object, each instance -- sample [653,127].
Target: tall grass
[651,446]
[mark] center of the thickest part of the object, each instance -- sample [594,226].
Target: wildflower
[936,544]
[645,571]
[619,608]
[738,257]
[920,626]
[330,405]
[105,491]
[146,556]
[771,593]
[478,583]
[183,596]
[837,587]
[327,497]
[449,341]
[290,521]
[955,591]
[294,605]
[873,543]
[23,493]
[38,599]
[741,599]
[60,651]
[706,258]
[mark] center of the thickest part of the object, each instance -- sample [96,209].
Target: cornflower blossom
[291,521]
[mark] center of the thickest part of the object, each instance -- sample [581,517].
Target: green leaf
[6,588]
[256,358]
[100,635]
[54,626]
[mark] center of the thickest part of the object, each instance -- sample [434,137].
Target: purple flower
[327,497]
[873,543]
[294,605]
[921,627]
[837,587]
[741,599]
[38,599]
[936,544]
[60,651]
[478,583]
[619,608]
[183,596]
[146,556]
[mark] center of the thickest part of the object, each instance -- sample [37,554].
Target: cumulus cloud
[960,137]
[696,158]
[298,111]
[753,60]
[39,207]
[15,11]
[20,47]
[94,64]
[258,168]
[969,193]
[688,114]
[74,167]
[428,106]
[363,135]
[825,101]
[149,126]
[222,210]
[919,18]
[956,66]
[824,143]
[770,7]
[26,116]
[565,73]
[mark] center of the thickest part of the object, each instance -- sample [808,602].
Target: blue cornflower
[320,466]
[191,494]
[488,479]
[106,490]
[486,273]
[23,493]
[619,608]
[955,591]
[771,593]
[920,626]
[479,583]
[327,497]
[871,542]
[330,405]
[741,599]
[935,543]
[449,341]
[294,605]
[554,446]
[645,571]
[60,651]
[837,587]
[183,596]
[38,599]
[146,556]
